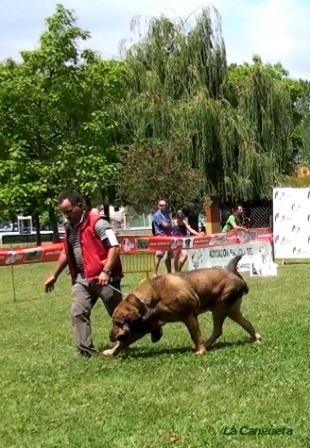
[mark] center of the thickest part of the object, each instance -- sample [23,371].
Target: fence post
[13,283]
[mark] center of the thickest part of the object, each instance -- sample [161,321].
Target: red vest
[93,251]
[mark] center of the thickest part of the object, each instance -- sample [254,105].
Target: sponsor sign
[291,222]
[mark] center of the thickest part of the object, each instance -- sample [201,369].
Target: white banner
[219,256]
[291,222]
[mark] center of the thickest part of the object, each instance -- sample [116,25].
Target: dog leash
[123,294]
[112,287]
[116,289]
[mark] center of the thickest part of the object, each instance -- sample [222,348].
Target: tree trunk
[192,217]
[54,225]
[88,202]
[38,232]
[105,202]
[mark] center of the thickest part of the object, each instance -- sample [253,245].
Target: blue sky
[277,30]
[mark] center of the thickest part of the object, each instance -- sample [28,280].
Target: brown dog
[181,298]
[167,298]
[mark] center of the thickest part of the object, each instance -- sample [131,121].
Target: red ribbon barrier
[139,244]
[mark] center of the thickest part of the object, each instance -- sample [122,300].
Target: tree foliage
[237,124]
[191,126]
[58,119]
[152,170]
[303,107]
[265,96]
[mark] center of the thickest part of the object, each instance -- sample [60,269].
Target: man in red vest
[92,253]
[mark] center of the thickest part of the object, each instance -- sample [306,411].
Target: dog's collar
[149,311]
[140,299]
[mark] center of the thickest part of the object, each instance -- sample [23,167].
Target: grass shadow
[222,345]
[141,352]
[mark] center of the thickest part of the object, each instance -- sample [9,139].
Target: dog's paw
[157,335]
[113,351]
[258,338]
[109,352]
[201,351]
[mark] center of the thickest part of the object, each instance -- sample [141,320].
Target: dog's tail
[232,267]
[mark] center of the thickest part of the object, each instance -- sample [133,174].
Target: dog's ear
[132,316]
[148,314]
[142,309]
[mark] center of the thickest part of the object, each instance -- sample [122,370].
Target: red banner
[139,244]
[41,254]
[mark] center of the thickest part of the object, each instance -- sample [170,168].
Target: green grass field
[50,398]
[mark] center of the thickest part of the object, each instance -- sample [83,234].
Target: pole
[13,283]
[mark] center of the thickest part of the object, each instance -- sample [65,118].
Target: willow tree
[265,97]
[303,107]
[179,88]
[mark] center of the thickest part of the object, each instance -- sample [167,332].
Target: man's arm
[189,229]
[60,266]
[160,222]
[232,222]
[166,225]
[107,235]
[113,255]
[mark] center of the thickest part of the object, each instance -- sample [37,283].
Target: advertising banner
[219,257]
[217,246]
[291,222]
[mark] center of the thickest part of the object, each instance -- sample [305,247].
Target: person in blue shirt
[162,225]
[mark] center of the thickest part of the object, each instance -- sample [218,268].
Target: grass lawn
[50,399]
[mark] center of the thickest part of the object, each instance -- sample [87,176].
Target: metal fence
[256,214]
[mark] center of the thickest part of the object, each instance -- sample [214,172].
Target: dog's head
[129,318]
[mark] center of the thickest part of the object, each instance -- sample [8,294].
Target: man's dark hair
[237,206]
[73,196]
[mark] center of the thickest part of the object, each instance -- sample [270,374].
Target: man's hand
[103,279]
[61,265]
[49,284]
